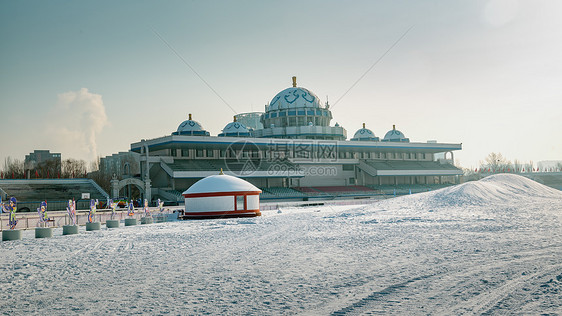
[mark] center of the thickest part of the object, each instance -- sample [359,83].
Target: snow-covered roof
[221,183]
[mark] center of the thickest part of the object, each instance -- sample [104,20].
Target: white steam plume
[77,119]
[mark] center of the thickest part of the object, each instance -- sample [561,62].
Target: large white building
[297,150]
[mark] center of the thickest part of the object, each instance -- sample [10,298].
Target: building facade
[296,148]
[42,163]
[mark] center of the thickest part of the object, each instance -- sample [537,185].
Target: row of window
[199,153]
[300,112]
[326,154]
[297,121]
[398,156]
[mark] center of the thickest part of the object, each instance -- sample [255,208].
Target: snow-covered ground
[487,247]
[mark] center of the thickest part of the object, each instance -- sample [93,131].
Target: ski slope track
[491,247]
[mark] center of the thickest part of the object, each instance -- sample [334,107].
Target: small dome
[220,183]
[365,134]
[395,135]
[191,127]
[235,129]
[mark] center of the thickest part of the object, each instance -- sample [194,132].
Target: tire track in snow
[486,303]
[520,263]
[412,290]
[87,249]
[532,292]
[362,303]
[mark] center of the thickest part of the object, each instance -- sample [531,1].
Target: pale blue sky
[483,73]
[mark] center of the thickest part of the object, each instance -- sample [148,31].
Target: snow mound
[500,188]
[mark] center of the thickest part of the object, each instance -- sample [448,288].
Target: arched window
[126,169]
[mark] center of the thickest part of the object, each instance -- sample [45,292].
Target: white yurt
[221,195]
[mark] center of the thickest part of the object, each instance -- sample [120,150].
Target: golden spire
[190,116]
[363,125]
[294,82]
[234,118]
[393,127]
[221,173]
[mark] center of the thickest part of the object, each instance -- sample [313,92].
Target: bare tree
[13,168]
[471,175]
[496,162]
[94,165]
[529,166]
[517,165]
[48,169]
[73,168]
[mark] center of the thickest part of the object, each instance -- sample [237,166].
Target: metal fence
[61,218]
[53,205]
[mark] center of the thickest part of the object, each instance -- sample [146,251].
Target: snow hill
[488,247]
[493,190]
[499,188]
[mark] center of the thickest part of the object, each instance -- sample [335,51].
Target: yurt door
[240,202]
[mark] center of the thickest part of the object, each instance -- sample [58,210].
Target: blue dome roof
[365,134]
[395,135]
[294,97]
[235,129]
[191,127]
